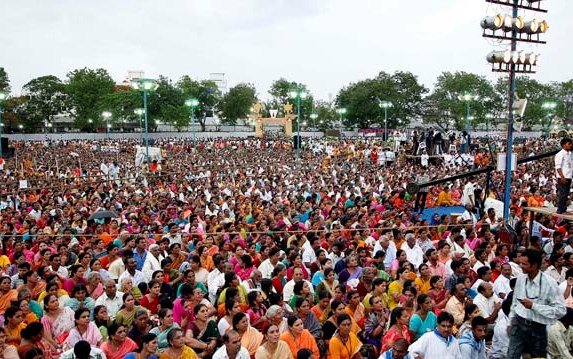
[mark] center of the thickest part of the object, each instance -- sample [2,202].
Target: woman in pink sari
[118,345]
[57,321]
[85,329]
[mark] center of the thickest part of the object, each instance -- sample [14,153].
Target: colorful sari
[187,353]
[251,340]
[6,299]
[305,340]
[126,347]
[282,352]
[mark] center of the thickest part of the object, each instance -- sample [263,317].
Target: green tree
[445,108]
[326,115]
[4,81]
[362,100]
[166,104]
[536,94]
[564,92]
[86,89]
[47,98]
[14,114]
[236,104]
[280,94]
[206,92]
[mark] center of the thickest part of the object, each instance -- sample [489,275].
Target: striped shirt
[548,302]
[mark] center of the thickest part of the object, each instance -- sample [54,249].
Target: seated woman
[251,338]
[84,329]
[344,344]
[165,325]
[79,299]
[13,325]
[147,349]
[125,315]
[297,337]
[118,344]
[150,301]
[273,347]
[177,348]
[202,333]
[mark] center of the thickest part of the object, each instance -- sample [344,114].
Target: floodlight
[530,27]
[531,59]
[499,57]
[492,22]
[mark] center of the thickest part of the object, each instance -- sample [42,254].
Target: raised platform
[550,212]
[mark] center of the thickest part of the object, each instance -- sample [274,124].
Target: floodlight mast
[514,29]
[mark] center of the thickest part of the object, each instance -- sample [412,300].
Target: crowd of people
[233,248]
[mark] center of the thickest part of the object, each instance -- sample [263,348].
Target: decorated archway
[261,122]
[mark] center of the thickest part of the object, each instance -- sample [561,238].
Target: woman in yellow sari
[177,348]
[273,348]
[251,338]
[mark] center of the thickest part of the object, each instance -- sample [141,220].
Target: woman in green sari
[202,333]
[165,325]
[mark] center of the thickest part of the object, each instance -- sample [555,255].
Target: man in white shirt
[132,272]
[468,215]
[268,265]
[288,290]
[564,173]
[216,281]
[439,343]
[487,302]
[152,262]
[501,285]
[111,299]
[308,248]
[468,194]
[413,251]
[500,341]
[232,348]
[389,247]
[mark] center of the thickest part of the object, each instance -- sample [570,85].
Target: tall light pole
[145,85]
[385,105]
[299,95]
[2,98]
[341,112]
[106,116]
[467,98]
[549,106]
[192,103]
[139,112]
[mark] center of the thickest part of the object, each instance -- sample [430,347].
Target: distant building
[132,75]
[219,79]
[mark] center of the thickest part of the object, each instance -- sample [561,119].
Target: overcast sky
[326,44]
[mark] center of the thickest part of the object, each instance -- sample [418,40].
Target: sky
[325,44]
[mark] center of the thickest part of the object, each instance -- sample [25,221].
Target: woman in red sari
[398,329]
[118,345]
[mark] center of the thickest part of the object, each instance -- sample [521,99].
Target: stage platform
[550,212]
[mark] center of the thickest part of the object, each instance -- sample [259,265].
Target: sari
[92,336]
[187,353]
[162,342]
[251,340]
[126,347]
[338,349]
[61,324]
[305,340]
[206,335]
[7,298]
[282,352]
[126,318]
[392,335]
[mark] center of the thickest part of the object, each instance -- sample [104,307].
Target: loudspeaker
[7,152]
[151,142]
[297,142]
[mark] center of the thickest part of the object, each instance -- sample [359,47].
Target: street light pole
[298,94]
[385,105]
[2,97]
[106,115]
[549,106]
[467,98]
[192,103]
[145,85]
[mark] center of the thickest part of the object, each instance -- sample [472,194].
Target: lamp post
[549,106]
[299,95]
[313,117]
[385,105]
[467,97]
[192,103]
[106,116]
[341,112]
[2,98]
[139,112]
[145,85]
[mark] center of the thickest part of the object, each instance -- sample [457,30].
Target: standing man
[564,173]
[422,194]
[537,303]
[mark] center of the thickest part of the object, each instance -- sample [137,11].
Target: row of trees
[86,93]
